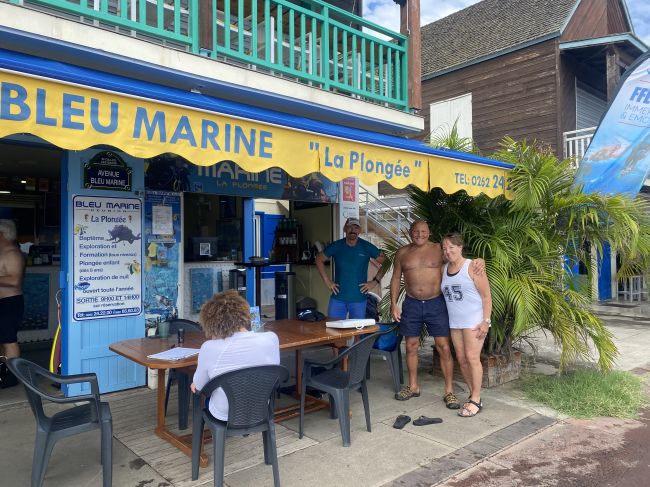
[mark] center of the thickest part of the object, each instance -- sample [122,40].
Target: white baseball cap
[352,221]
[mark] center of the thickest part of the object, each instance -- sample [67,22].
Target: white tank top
[464,304]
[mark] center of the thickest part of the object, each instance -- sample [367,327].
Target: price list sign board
[107,257]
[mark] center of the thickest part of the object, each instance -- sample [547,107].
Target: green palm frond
[447,137]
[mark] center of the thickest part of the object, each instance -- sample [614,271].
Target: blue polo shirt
[351,267]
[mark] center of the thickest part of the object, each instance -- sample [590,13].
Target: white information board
[107,249]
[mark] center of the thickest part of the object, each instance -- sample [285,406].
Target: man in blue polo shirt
[351,257]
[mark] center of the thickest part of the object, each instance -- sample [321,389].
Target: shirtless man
[12,269]
[421,264]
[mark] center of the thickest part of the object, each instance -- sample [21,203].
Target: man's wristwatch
[488,321]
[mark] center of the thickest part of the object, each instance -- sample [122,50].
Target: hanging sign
[107,170]
[107,253]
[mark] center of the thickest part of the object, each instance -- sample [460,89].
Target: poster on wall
[162,230]
[36,292]
[349,204]
[107,257]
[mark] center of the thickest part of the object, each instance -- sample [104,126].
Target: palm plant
[527,242]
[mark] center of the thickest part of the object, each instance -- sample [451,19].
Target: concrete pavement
[512,442]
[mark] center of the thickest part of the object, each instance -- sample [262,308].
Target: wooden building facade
[524,70]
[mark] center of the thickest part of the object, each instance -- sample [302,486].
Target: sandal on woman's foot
[424,420]
[401,421]
[406,393]
[451,401]
[468,412]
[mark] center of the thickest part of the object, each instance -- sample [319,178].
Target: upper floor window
[453,110]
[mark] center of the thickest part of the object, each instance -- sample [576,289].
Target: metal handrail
[177,22]
[394,220]
[314,43]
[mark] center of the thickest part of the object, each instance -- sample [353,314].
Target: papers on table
[352,323]
[177,353]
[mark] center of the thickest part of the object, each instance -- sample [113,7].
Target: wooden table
[294,335]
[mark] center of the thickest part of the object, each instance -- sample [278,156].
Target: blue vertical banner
[162,247]
[618,158]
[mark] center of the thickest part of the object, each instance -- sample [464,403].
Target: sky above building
[386,13]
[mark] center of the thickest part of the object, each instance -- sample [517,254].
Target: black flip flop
[424,420]
[401,421]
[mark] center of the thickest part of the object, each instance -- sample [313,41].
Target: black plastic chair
[94,414]
[394,359]
[251,398]
[338,383]
[181,377]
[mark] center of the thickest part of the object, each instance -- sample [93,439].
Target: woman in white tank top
[469,304]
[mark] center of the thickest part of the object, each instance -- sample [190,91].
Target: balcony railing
[576,143]
[309,41]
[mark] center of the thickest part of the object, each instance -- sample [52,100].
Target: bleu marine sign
[107,262]
[107,170]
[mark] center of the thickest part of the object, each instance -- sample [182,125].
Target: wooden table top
[292,334]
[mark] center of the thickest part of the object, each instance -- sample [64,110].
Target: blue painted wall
[269,224]
[84,344]
[605,273]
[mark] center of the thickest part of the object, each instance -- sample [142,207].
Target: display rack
[287,245]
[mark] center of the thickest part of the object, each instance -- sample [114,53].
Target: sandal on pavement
[470,413]
[451,401]
[401,421]
[406,393]
[424,420]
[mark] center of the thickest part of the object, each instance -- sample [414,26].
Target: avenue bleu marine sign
[107,170]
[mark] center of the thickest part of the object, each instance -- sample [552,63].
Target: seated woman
[226,321]
[469,304]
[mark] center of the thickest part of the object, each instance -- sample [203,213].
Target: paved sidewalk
[512,442]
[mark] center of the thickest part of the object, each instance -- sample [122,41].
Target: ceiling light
[5,192]
[23,181]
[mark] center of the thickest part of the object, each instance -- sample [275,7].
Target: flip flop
[424,420]
[401,421]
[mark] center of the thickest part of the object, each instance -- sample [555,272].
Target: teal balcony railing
[309,41]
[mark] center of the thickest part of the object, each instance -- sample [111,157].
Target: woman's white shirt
[464,303]
[242,349]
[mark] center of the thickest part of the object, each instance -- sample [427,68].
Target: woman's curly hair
[224,315]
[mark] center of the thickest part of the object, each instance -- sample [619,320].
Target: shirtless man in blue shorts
[12,270]
[420,262]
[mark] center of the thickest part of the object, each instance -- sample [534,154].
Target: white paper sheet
[176,353]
